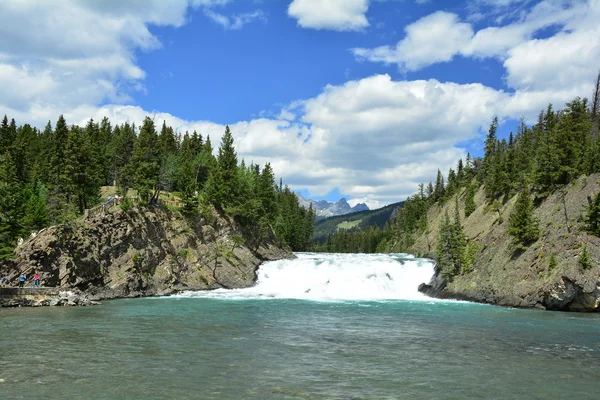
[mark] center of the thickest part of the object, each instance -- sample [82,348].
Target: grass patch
[349,224]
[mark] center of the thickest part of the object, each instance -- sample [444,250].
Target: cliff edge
[144,251]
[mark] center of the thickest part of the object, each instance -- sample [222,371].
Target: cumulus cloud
[71,52]
[337,15]
[439,37]
[374,138]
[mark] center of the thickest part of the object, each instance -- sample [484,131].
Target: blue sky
[355,98]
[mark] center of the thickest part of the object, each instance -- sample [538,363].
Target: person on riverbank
[22,279]
[4,281]
[36,280]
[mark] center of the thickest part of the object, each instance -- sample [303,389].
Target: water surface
[272,342]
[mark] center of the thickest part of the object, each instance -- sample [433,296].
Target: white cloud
[435,38]
[71,52]
[337,15]
[441,36]
[539,70]
[237,21]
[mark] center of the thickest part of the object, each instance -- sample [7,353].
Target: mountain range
[325,209]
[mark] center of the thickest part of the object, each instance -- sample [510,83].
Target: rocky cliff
[527,279]
[143,252]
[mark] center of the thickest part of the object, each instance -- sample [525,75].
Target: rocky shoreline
[569,296]
[66,299]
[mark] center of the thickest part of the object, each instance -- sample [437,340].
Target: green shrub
[584,259]
[183,253]
[127,204]
[552,262]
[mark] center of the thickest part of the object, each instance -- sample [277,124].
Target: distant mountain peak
[324,208]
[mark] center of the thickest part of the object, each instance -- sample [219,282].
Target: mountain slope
[360,220]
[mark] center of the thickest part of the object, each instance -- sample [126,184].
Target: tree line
[355,240]
[52,175]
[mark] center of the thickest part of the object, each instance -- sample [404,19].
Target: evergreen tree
[222,183]
[584,259]
[187,182]
[440,190]
[522,224]
[145,162]
[430,191]
[124,144]
[470,201]
[36,212]
[57,175]
[11,206]
[491,145]
[460,172]
[592,217]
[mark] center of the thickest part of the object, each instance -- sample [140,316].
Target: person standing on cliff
[36,280]
[22,280]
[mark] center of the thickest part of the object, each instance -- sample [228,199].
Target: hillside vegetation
[519,226]
[360,221]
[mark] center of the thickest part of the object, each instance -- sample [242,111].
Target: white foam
[335,277]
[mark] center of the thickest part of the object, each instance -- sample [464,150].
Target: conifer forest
[53,175]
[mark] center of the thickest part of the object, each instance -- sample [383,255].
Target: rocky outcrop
[527,279]
[143,252]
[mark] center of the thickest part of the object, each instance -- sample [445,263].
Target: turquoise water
[276,348]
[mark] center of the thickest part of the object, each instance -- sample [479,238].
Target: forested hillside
[534,162]
[360,232]
[51,176]
[519,226]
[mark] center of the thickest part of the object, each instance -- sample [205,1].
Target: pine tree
[223,186]
[8,134]
[470,200]
[440,190]
[491,145]
[592,217]
[460,172]
[430,191]
[11,206]
[187,183]
[36,214]
[584,259]
[522,224]
[58,180]
[267,193]
[145,162]
[124,145]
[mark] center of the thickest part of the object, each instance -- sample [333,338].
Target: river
[323,326]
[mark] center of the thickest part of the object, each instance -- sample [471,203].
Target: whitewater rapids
[335,277]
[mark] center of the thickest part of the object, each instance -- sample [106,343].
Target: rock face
[143,252]
[326,209]
[504,277]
